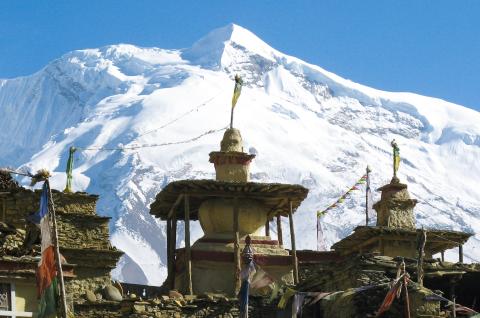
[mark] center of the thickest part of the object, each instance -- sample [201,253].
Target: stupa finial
[232,141]
[231,163]
[396,161]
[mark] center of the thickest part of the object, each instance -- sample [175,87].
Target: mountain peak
[306,125]
[209,50]
[239,35]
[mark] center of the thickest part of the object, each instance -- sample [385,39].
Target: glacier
[143,117]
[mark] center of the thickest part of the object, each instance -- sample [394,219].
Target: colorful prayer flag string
[72,150]
[344,196]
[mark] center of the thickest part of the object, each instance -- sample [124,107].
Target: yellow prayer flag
[237,90]
[396,156]
[284,300]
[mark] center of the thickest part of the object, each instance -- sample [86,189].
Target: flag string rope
[360,181]
[133,147]
[195,108]
[364,288]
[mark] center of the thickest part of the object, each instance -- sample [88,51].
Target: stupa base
[213,265]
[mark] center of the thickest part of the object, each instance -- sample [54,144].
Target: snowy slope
[305,124]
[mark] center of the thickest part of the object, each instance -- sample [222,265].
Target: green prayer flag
[47,305]
[69,170]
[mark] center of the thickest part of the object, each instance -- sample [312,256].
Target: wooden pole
[423,241]
[173,246]
[460,253]
[172,216]
[453,281]
[169,252]
[454,307]
[174,206]
[367,189]
[407,300]
[294,249]
[267,228]
[279,230]
[4,210]
[402,271]
[169,246]
[58,259]
[188,255]
[442,254]
[236,247]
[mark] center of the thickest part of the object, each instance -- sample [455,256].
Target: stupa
[229,208]
[395,233]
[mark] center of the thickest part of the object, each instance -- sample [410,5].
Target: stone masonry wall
[83,235]
[21,202]
[165,307]
[78,231]
[87,279]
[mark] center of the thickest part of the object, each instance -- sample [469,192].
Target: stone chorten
[395,233]
[229,209]
[216,216]
[395,208]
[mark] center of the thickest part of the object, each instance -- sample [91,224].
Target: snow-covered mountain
[306,125]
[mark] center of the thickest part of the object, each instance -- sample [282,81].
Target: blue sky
[430,47]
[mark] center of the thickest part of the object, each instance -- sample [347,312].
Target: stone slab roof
[275,196]
[437,240]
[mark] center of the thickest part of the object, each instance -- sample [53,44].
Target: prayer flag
[237,90]
[396,156]
[276,289]
[68,187]
[369,199]
[261,279]
[245,275]
[243,298]
[297,304]
[47,290]
[286,297]
[320,239]
[390,297]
